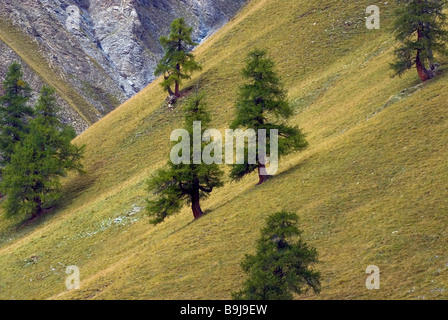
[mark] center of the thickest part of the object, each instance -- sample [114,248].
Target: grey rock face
[108,49]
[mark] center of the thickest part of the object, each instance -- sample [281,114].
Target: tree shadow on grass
[25,225]
[206,212]
[272,179]
[75,187]
[292,170]
[181,228]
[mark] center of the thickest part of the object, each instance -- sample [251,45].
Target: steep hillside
[370,189]
[96,53]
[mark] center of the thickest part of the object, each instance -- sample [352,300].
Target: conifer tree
[178,62]
[420,29]
[31,179]
[262,104]
[180,184]
[14,111]
[282,263]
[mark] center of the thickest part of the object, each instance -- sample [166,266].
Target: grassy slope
[370,189]
[29,52]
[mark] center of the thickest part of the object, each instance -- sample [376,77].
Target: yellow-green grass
[30,53]
[370,189]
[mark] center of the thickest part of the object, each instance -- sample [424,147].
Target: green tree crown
[180,184]
[31,179]
[262,104]
[420,29]
[14,111]
[178,62]
[281,266]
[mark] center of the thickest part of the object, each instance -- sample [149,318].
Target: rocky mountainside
[106,50]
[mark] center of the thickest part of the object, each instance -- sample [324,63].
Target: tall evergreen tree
[420,29]
[261,105]
[14,111]
[180,184]
[282,263]
[178,62]
[31,179]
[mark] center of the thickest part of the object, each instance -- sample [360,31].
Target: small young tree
[178,63]
[260,105]
[178,184]
[13,111]
[419,28]
[46,153]
[282,263]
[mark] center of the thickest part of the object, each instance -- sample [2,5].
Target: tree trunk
[179,48]
[39,210]
[176,90]
[176,82]
[262,176]
[423,73]
[195,205]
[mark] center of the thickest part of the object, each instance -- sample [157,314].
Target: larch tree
[420,29]
[185,183]
[31,179]
[262,104]
[14,111]
[178,62]
[282,264]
